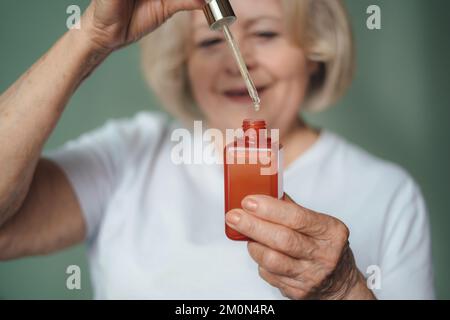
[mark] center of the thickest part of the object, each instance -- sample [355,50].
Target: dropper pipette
[242,67]
[220,16]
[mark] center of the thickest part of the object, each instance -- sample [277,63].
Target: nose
[248,54]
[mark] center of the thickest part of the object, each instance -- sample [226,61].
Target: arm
[38,208]
[50,218]
[30,109]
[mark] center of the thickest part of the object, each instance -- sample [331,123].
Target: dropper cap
[219,13]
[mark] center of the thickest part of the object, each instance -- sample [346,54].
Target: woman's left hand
[303,253]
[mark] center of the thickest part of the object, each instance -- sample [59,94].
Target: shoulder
[137,138]
[133,134]
[116,141]
[140,126]
[372,192]
[355,181]
[359,167]
[389,220]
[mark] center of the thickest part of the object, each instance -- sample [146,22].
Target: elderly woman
[154,228]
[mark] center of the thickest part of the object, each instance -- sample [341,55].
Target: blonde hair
[320,27]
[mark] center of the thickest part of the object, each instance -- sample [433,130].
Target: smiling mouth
[242,93]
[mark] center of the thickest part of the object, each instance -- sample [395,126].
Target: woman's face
[278,68]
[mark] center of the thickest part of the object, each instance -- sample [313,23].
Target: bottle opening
[253,124]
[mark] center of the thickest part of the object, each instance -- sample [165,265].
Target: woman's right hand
[112,24]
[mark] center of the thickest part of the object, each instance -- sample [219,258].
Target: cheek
[287,66]
[286,63]
[201,76]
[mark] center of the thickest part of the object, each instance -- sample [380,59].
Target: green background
[397,108]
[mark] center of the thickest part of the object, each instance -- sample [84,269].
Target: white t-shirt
[156,229]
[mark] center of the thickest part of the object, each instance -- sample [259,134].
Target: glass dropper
[220,15]
[242,67]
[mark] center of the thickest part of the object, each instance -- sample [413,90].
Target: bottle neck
[255,132]
[256,125]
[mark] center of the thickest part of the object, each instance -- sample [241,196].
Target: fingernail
[233,218]
[250,204]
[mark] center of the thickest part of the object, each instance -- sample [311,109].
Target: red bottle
[252,165]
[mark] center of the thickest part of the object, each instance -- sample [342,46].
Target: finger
[178,5]
[294,273]
[281,283]
[275,236]
[286,213]
[272,260]
[150,14]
